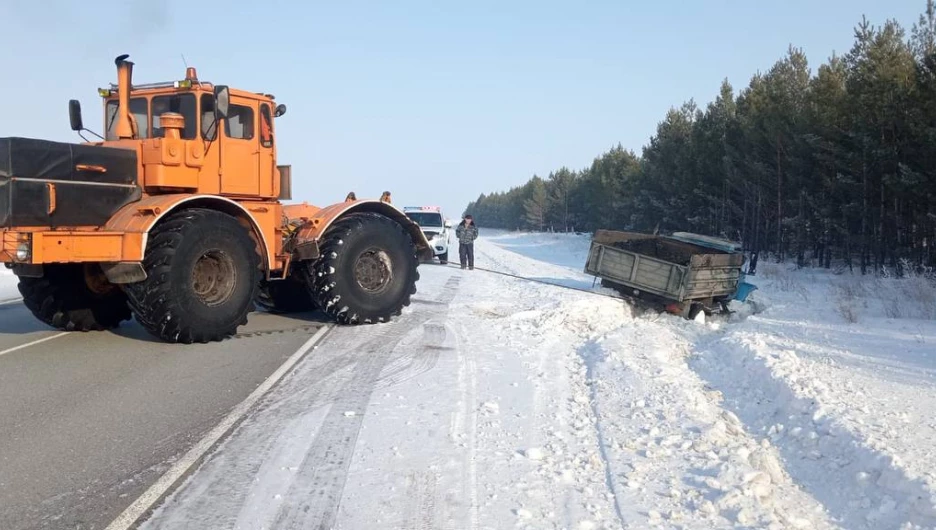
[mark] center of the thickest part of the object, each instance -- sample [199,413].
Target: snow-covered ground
[499,403]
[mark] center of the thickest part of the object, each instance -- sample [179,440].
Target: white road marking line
[33,343]
[157,490]
[10,301]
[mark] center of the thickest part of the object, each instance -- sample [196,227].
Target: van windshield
[425,218]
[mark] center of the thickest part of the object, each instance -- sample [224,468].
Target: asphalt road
[88,421]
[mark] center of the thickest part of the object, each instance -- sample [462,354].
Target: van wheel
[203,273]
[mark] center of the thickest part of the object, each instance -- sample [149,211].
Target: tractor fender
[137,219]
[317,222]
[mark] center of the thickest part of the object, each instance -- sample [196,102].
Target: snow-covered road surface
[497,403]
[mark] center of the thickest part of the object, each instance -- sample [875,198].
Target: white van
[434,225]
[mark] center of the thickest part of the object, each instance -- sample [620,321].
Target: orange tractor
[175,217]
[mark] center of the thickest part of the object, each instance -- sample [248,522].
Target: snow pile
[678,453]
[849,405]
[670,455]
[784,415]
[792,403]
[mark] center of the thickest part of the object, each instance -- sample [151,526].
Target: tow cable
[534,280]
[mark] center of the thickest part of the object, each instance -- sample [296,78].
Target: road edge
[158,490]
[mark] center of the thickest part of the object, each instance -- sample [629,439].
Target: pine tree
[536,204]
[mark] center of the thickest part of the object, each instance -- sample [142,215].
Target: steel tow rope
[543,282]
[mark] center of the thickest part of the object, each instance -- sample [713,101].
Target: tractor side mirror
[222,101]
[74,115]
[280,110]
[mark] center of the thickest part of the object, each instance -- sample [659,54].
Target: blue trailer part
[744,289]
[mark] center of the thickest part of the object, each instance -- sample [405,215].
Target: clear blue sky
[436,102]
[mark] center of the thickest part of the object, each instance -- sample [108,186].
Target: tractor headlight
[22,251]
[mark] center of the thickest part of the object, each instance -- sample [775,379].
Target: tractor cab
[175,126]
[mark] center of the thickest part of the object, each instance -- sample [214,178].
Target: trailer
[682,273]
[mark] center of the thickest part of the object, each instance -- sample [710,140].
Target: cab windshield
[141,108]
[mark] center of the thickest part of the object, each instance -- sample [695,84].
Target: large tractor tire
[203,272]
[288,295]
[367,272]
[75,297]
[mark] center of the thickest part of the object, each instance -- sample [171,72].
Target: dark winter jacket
[466,234]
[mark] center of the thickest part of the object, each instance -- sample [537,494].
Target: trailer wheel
[288,295]
[203,273]
[75,297]
[367,272]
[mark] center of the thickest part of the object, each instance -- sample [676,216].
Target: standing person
[466,233]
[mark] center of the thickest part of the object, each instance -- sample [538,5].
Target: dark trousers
[466,254]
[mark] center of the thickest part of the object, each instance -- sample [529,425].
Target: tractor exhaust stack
[124,127]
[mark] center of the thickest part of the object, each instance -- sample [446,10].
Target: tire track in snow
[230,490]
[254,475]
[590,354]
[314,498]
[422,491]
[414,363]
[471,367]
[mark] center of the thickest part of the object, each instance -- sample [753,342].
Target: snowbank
[810,407]
[849,405]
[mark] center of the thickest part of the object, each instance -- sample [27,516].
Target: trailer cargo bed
[669,270]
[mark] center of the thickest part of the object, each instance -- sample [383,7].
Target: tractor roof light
[185,83]
[104,92]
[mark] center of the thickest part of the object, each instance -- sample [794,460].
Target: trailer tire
[73,297]
[203,274]
[288,295]
[367,272]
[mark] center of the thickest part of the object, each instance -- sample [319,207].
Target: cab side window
[209,128]
[240,123]
[266,126]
